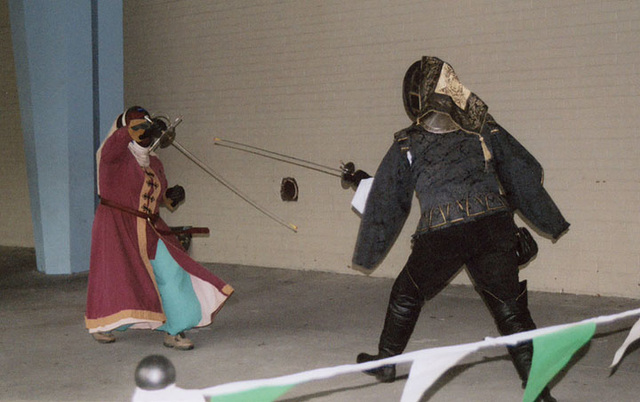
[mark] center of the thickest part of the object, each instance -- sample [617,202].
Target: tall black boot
[513,316]
[403,311]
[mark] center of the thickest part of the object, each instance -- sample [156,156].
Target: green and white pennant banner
[551,352]
[633,336]
[428,366]
[553,348]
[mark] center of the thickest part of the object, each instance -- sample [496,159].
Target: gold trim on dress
[138,315]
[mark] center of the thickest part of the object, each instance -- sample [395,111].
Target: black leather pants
[487,247]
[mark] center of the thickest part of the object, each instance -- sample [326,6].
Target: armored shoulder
[491,126]
[403,137]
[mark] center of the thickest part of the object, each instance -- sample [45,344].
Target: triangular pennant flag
[428,367]
[551,353]
[633,336]
[263,394]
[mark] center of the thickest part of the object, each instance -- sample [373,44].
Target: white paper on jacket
[362,193]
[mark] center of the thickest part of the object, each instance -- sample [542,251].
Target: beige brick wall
[321,80]
[15,211]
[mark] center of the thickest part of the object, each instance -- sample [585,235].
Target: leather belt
[152,219]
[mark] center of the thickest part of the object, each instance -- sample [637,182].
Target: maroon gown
[122,287]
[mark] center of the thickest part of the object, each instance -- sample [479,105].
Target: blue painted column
[109,67]
[57,56]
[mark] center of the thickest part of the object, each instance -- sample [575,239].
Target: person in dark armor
[470,176]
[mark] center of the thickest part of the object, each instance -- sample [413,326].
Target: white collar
[140,153]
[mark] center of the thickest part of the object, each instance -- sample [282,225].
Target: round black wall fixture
[289,189]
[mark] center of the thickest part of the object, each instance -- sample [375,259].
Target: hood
[432,86]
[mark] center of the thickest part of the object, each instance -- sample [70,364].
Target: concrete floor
[282,322]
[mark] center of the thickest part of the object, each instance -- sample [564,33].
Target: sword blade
[278,156]
[231,187]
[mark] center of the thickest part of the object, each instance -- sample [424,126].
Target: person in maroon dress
[140,276]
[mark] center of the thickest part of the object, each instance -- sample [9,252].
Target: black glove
[358,176]
[176,194]
[351,178]
[157,127]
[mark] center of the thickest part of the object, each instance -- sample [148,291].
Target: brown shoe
[179,342]
[104,337]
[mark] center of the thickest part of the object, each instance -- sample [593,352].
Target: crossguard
[346,180]
[168,136]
